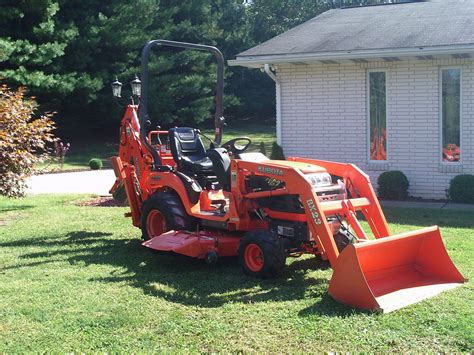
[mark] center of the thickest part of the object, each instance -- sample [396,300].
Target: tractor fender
[193,189]
[181,185]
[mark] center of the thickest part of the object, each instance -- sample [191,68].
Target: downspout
[271,74]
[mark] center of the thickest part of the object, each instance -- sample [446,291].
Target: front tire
[262,254]
[162,212]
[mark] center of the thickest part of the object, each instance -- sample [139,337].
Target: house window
[377,116]
[451,115]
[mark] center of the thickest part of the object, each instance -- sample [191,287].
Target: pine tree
[110,37]
[67,53]
[32,43]
[182,82]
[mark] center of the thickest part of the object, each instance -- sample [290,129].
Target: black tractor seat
[221,163]
[189,152]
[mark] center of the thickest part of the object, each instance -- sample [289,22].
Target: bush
[461,188]
[95,164]
[393,185]
[277,152]
[23,139]
[262,148]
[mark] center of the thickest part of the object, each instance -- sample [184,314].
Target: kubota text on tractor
[224,201]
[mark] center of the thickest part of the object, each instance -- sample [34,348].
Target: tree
[23,139]
[68,53]
[32,42]
[182,81]
[267,19]
[110,36]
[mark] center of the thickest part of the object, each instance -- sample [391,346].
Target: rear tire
[262,254]
[162,212]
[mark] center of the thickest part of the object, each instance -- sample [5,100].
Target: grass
[77,279]
[81,152]
[257,133]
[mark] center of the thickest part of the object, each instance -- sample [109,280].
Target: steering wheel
[236,146]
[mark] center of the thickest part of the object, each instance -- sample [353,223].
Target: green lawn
[257,133]
[77,279]
[81,152]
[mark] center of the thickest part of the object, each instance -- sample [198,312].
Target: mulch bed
[103,201]
[49,172]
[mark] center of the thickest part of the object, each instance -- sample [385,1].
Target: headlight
[319,179]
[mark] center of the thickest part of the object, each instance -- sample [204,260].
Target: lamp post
[136,85]
[117,88]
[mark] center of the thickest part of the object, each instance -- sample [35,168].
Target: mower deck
[195,244]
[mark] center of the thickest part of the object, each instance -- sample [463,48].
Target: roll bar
[143,107]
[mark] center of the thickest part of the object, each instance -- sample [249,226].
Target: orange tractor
[225,201]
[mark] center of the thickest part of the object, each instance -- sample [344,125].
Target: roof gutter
[271,74]
[258,60]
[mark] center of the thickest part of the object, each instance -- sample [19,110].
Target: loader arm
[297,184]
[359,185]
[383,274]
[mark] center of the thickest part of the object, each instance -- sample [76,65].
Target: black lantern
[136,86]
[117,88]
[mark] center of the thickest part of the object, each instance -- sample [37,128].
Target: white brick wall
[324,116]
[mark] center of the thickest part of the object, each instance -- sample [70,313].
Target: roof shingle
[408,25]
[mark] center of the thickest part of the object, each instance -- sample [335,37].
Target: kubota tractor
[223,201]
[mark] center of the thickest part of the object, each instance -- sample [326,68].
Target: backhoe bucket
[392,272]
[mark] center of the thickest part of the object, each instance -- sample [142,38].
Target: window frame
[368,143]
[440,108]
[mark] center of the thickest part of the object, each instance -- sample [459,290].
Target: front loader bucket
[392,272]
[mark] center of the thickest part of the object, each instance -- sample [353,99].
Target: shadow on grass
[15,208]
[180,279]
[328,307]
[74,237]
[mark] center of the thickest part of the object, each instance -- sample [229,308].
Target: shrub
[95,164]
[393,185]
[277,152]
[262,148]
[461,188]
[23,139]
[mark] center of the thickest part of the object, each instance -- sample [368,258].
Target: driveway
[96,182]
[99,182]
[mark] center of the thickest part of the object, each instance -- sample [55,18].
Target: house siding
[324,116]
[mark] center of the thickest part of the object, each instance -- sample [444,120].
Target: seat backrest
[221,166]
[185,143]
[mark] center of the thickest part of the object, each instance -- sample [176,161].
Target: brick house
[387,87]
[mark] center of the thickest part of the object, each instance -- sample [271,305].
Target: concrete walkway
[96,182]
[99,182]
